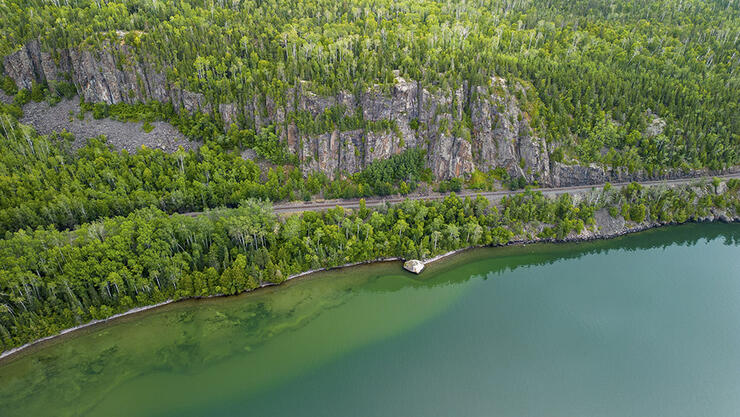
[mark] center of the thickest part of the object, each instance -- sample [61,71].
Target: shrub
[8,86]
[637,213]
[147,127]
[22,97]
[414,124]
[99,111]
[38,92]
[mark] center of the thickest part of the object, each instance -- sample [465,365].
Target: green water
[646,325]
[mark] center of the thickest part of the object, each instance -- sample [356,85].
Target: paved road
[320,205]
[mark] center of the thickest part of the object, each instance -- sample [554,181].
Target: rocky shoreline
[612,229]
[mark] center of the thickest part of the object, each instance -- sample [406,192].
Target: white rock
[413,265]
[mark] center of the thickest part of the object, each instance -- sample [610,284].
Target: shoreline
[18,349]
[11,352]
[5,355]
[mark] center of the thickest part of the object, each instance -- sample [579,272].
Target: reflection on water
[231,354]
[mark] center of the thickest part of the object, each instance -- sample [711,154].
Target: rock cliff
[497,132]
[562,175]
[462,129]
[470,127]
[112,75]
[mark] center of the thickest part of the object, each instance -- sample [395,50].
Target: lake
[643,325]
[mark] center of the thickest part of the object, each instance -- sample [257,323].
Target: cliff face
[563,175]
[473,127]
[504,136]
[497,133]
[412,116]
[100,76]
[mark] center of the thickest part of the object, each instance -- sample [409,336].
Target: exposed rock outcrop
[563,175]
[498,132]
[25,65]
[419,118]
[656,126]
[504,135]
[111,75]
[567,175]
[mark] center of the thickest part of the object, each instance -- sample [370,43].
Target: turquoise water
[645,325]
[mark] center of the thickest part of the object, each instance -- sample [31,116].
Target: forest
[602,70]
[88,232]
[43,182]
[54,279]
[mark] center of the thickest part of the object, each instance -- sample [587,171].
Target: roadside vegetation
[639,86]
[54,279]
[42,182]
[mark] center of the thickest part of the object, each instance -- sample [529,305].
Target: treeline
[674,205]
[53,280]
[406,169]
[197,126]
[42,182]
[604,71]
[401,173]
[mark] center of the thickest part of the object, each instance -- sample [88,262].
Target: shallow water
[647,324]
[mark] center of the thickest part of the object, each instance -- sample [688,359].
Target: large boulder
[413,265]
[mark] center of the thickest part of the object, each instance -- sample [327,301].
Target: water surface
[647,324]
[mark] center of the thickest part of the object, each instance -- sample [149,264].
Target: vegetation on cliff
[643,85]
[512,88]
[43,183]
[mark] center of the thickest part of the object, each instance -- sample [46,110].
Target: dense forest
[602,70]
[91,231]
[42,182]
[53,279]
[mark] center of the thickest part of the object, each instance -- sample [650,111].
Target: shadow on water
[195,351]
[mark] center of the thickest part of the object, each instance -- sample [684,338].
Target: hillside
[155,150]
[560,93]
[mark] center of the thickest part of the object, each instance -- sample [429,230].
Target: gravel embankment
[122,135]
[5,99]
